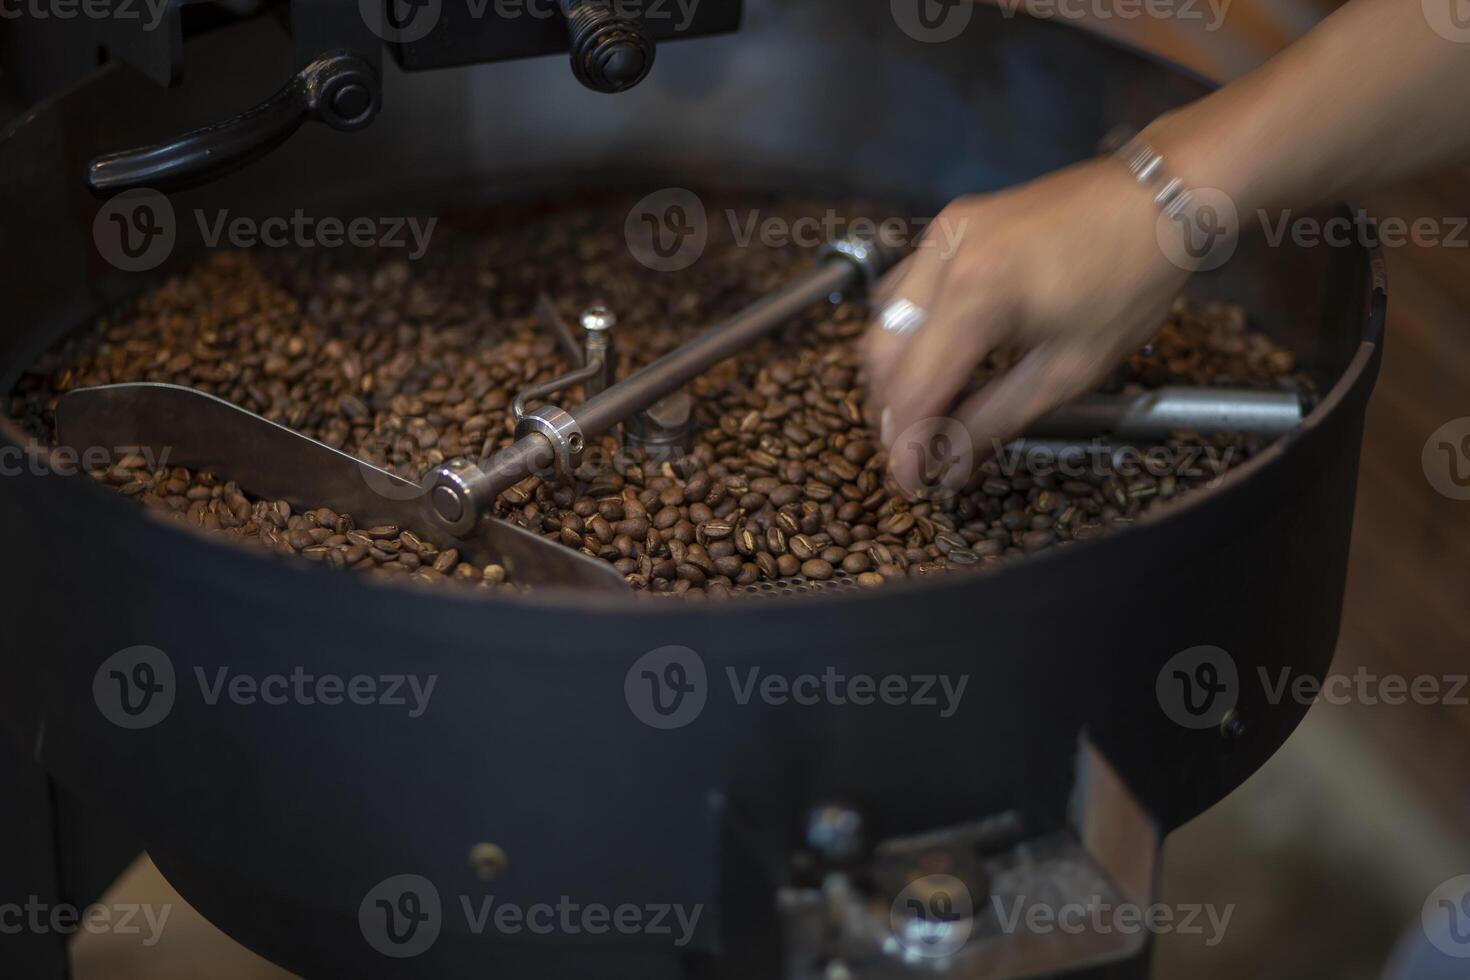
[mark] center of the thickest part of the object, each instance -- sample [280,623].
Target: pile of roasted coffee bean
[320,535]
[407,364]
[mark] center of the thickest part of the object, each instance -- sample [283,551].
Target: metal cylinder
[1155,414]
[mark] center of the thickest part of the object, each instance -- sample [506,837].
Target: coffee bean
[782,452]
[817,569]
[716,530]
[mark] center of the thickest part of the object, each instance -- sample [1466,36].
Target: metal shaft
[1155,414]
[667,374]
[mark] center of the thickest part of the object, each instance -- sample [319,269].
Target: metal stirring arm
[552,440]
[187,427]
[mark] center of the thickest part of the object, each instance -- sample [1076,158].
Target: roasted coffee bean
[947,541]
[390,363]
[817,569]
[897,524]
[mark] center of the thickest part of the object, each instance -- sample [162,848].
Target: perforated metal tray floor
[796,585]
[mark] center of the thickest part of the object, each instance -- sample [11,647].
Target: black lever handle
[610,53]
[339,89]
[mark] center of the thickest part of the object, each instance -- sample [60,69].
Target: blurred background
[1327,855]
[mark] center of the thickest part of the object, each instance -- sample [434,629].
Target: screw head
[597,319]
[351,100]
[447,503]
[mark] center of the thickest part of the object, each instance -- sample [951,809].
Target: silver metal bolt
[597,319]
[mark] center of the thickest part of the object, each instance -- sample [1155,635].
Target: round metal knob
[609,53]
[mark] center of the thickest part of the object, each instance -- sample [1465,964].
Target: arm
[1068,268]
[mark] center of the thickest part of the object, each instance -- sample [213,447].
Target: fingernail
[885,427]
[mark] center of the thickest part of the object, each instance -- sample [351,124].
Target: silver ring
[901,318]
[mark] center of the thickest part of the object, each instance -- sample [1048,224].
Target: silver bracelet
[1146,164]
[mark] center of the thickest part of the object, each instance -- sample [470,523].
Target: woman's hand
[1067,272]
[1070,270]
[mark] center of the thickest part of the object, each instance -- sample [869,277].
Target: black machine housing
[277,824]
